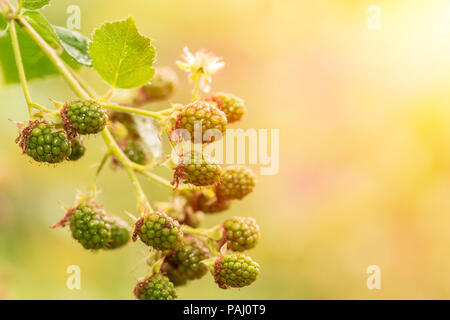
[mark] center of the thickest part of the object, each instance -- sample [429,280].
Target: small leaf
[122,56]
[36,63]
[35,4]
[149,133]
[3,23]
[75,44]
[41,26]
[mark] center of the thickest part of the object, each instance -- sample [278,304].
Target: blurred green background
[364,151]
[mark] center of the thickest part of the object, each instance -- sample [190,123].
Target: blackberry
[156,287]
[78,150]
[44,143]
[136,153]
[236,183]
[187,259]
[162,85]
[240,233]
[235,270]
[83,117]
[200,114]
[197,170]
[90,226]
[159,231]
[120,233]
[175,275]
[232,106]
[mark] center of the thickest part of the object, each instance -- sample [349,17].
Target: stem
[93,188]
[20,68]
[214,233]
[142,112]
[77,87]
[157,178]
[196,91]
[54,58]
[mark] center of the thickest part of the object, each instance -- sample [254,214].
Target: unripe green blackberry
[236,183]
[120,233]
[44,143]
[161,86]
[187,259]
[157,287]
[83,116]
[197,118]
[136,153]
[78,150]
[174,275]
[240,233]
[197,170]
[159,231]
[90,226]
[232,106]
[235,270]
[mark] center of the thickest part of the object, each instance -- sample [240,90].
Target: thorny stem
[20,68]
[156,115]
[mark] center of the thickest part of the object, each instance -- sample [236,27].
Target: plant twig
[142,112]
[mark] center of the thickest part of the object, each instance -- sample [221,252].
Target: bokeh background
[364,151]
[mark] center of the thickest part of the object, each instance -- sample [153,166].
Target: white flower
[200,66]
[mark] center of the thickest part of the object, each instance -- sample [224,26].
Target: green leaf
[41,25]
[36,64]
[122,56]
[75,44]
[35,4]
[3,23]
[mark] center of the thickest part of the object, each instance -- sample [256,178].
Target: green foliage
[75,44]
[35,4]
[3,22]
[35,62]
[122,56]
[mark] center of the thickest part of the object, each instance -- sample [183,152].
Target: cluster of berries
[93,228]
[53,143]
[186,252]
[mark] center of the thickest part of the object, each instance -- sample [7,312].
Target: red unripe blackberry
[44,143]
[159,231]
[156,287]
[90,226]
[198,117]
[206,200]
[235,270]
[232,106]
[83,117]
[197,170]
[236,183]
[240,233]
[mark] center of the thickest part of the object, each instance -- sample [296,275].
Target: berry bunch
[44,143]
[159,231]
[196,119]
[93,228]
[178,249]
[240,233]
[83,117]
[196,169]
[156,287]
[235,270]
[232,106]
